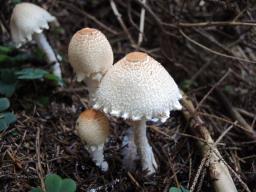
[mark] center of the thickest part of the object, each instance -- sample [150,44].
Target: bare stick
[222,180]
[142,22]
[235,114]
[119,18]
[40,171]
[213,23]
[213,51]
[211,90]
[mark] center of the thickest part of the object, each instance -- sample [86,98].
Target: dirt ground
[208,46]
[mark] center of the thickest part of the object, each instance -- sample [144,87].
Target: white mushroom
[138,88]
[28,22]
[93,128]
[90,55]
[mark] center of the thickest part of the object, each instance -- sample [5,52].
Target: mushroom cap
[92,127]
[89,53]
[138,87]
[27,19]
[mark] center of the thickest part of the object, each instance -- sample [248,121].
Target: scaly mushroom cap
[138,87]
[27,19]
[93,127]
[89,53]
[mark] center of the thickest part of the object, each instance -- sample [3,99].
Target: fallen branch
[221,178]
[235,114]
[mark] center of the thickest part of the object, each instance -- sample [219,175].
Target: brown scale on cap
[87,31]
[91,114]
[136,57]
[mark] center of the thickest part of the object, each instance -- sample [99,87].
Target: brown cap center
[87,31]
[136,57]
[89,114]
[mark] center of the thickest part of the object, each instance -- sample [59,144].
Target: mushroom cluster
[137,89]
[28,22]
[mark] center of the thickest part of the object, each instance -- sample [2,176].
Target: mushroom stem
[92,85]
[97,155]
[144,149]
[50,55]
[129,150]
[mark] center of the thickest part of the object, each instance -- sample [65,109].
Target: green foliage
[5,50]
[31,74]
[178,189]
[11,76]
[6,118]
[16,1]
[4,104]
[229,89]
[8,82]
[187,84]
[54,183]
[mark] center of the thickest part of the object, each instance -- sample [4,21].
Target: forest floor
[208,46]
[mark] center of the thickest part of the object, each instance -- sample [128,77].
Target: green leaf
[31,73]
[36,190]
[5,49]
[53,183]
[7,89]
[5,58]
[8,75]
[176,189]
[6,119]
[3,125]
[4,104]
[53,78]
[9,118]
[42,101]
[68,185]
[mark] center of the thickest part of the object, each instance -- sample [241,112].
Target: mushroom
[138,88]
[93,129]
[28,22]
[90,55]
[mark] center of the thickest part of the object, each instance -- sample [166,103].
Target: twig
[222,179]
[119,18]
[39,165]
[155,17]
[89,16]
[201,166]
[142,23]
[133,180]
[215,23]
[213,51]
[223,120]
[211,90]
[235,114]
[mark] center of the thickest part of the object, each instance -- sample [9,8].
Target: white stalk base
[50,55]
[144,149]
[97,155]
[129,151]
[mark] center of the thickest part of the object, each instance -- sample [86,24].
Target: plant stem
[50,55]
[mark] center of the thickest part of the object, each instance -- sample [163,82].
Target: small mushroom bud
[28,22]
[93,129]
